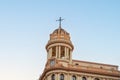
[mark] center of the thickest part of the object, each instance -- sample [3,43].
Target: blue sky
[25,25]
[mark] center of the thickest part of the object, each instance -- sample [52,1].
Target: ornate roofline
[90,71]
[96,63]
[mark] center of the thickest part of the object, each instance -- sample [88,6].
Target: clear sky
[25,25]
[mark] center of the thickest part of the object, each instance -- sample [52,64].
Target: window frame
[61,76]
[53,77]
[84,78]
[74,77]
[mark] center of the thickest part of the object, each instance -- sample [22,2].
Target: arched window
[84,78]
[61,77]
[73,77]
[96,79]
[53,77]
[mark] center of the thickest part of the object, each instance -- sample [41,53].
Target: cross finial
[60,20]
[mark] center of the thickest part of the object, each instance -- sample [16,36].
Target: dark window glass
[53,77]
[73,77]
[96,79]
[61,77]
[84,78]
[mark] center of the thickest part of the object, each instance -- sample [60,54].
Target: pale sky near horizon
[25,25]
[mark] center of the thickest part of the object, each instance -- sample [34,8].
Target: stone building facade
[61,66]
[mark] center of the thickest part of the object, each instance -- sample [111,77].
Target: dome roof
[60,30]
[59,35]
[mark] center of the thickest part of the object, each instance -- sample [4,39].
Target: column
[59,51]
[56,51]
[65,77]
[68,53]
[77,77]
[50,54]
[58,76]
[49,77]
[65,52]
[69,77]
[89,78]
[70,56]
[80,77]
[92,78]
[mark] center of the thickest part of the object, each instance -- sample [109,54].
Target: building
[61,66]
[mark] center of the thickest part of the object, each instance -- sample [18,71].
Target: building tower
[59,46]
[61,66]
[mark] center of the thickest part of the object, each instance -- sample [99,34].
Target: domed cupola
[60,36]
[60,46]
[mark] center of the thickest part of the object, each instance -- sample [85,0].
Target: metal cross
[60,20]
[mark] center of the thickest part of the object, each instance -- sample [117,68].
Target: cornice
[59,41]
[90,71]
[94,63]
